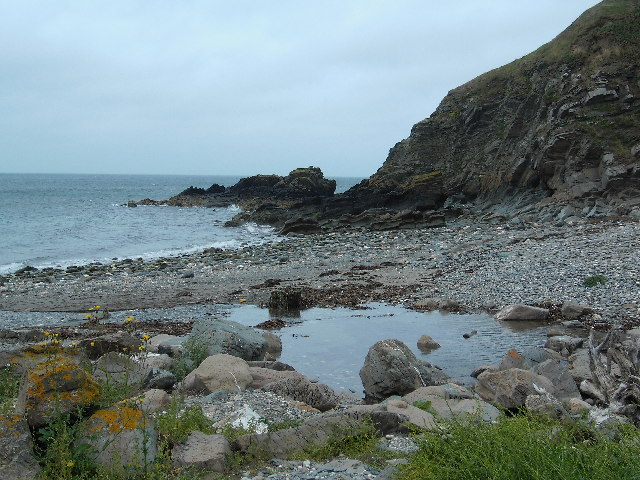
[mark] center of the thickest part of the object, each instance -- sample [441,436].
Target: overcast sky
[242,87]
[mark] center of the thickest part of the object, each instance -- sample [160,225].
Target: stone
[589,390]
[513,359]
[154,400]
[426,343]
[518,312]
[390,368]
[219,372]
[580,366]
[17,461]
[226,337]
[299,388]
[166,344]
[202,452]
[510,388]
[158,360]
[123,438]
[318,429]
[545,406]
[558,374]
[114,342]
[265,376]
[573,310]
[482,369]
[415,416]
[54,385]
[274,345]
[577,406]
[117,369]
[162,379]
[564,344]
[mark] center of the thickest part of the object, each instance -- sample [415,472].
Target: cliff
[560,126]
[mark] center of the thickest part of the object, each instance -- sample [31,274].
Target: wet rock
[223,336]
[390,368]
[426,343]
[219,372]
[202,452]
[274,345]
[517,312]
[17,461]
[510,388]
[300,225]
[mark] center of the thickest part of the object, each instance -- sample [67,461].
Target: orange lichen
[117,419]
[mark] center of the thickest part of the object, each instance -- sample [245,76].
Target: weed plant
[9,386]
[524,448]
[595,280]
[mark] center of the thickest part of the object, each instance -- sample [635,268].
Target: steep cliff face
[560,124]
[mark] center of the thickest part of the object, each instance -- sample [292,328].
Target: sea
[58,220]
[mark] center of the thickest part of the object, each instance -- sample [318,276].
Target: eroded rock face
[390,368]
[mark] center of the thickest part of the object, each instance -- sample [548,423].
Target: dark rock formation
[561,122]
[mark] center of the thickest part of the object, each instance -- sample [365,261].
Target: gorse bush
[524,448]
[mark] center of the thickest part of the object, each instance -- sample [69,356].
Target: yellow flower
[93,344]
[73,344]
[128,319]
[70,463]
[242,300]
[46,334]
[141,347]
[97,307]
[88,315]
[145,337]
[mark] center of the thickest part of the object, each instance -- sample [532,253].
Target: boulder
[154,400]
[557,372]
[513,359]
[54,385]
[219,372]
[17,461]
[158,360]
[226,337]
[166,343]
[390,368]
[265,376]
[415,416]
[318,429]
[202,452]
[426,343]
[510,388]
[122,342]
[274,345]
[573,310]
[161,379]
[123,438]
[518,311]
[580,366]
[545,406]
[122,370]
[564,344]
[316,395]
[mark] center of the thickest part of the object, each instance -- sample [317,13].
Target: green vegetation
[426,406]
[177,422]
[9,386]
[525,448]
[595,280]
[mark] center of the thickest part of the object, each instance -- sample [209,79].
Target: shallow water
[331,344]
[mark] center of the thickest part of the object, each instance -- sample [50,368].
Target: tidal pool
[331,344]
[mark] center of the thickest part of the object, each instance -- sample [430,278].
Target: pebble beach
[479,265]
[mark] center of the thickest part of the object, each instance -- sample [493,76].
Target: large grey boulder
[390,368]
[219,372]
[17,461]
[223,336]
[510,388]
[522,312]
[557,372]
[316,395]
[202,452]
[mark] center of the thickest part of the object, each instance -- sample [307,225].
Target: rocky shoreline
[468,265]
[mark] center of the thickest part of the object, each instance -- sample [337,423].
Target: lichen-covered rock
[17,461]
[202,452]
[390,368]
[123,438]
[54,385]
[219,372]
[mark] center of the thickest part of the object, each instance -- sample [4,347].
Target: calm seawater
[60,220]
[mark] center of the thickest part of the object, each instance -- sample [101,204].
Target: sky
[242,87]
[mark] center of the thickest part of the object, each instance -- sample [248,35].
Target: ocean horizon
[58,220]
